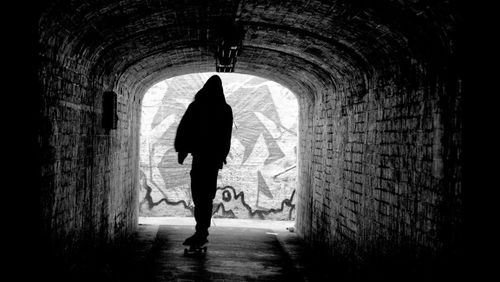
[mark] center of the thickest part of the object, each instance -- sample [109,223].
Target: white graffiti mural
[259,180]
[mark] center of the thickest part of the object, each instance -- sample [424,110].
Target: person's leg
[203,188]
[196,194]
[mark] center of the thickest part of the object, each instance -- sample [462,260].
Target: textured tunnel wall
[379,91]
[386,175]
[89,174]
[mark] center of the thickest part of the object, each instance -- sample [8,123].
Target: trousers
[203,188]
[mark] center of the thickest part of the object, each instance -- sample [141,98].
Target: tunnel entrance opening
[260,178]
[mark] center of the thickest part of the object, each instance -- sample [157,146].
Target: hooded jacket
[206,127]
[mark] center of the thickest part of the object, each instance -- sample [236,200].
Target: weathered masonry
[379,86]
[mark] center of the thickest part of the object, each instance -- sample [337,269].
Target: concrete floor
[238,250]
[219,222]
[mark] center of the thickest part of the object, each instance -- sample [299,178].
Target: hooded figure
[205,132]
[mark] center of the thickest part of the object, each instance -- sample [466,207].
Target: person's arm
[181,156]
[182,137]
[228,130]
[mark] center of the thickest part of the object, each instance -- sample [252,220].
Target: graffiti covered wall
[259,179]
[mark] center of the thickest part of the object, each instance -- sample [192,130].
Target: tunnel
[379,86]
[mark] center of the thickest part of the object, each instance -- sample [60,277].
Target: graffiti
[229,196]
[229,204]
[260,175]
[246,104]
[151,204]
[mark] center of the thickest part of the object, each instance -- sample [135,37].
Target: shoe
[195,240]
[190,240]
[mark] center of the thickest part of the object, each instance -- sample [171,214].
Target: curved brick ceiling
[305,45]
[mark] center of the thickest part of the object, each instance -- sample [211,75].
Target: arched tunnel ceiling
[301,44]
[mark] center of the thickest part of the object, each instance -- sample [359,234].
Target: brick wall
[89,175]
[386,176]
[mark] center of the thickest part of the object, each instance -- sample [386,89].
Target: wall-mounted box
[109,110]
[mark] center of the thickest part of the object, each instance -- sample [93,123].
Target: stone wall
[88,174]
[386,175]
[259,180]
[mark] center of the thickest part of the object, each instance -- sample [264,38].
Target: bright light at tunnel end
[262,164]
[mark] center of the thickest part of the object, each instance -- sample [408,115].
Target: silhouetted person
[205,132]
